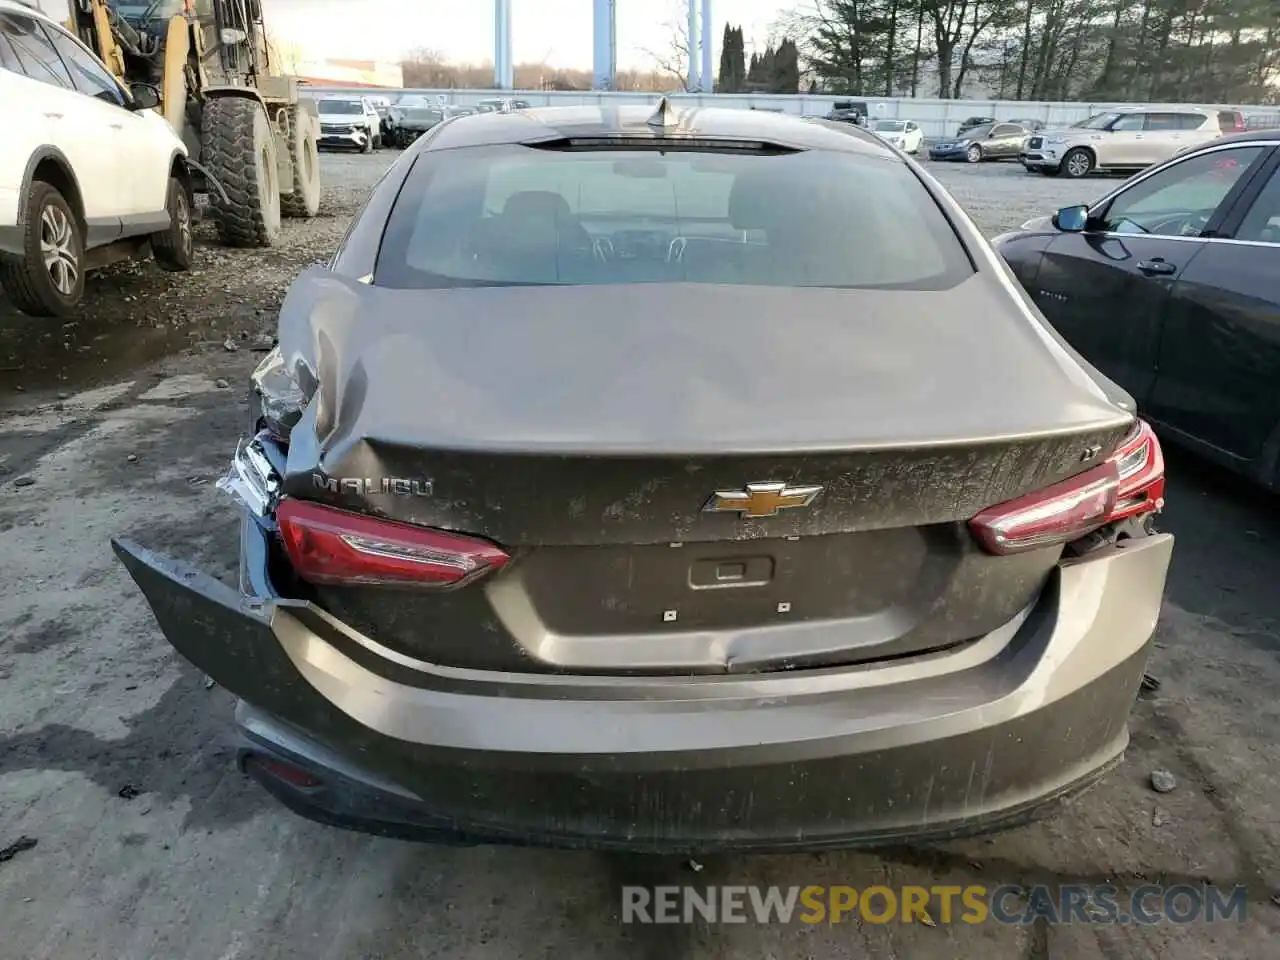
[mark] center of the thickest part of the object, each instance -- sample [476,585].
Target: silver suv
[1118,140]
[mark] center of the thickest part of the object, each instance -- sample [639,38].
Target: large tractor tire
[240,152]
[304,147]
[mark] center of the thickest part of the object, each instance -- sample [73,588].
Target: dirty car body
[600,497]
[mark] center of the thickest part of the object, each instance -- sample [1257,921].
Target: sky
[554,32]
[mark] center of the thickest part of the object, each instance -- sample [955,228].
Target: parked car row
[413,115]
[1118,140]
[1124,140]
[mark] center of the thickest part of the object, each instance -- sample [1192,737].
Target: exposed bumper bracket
[251,481]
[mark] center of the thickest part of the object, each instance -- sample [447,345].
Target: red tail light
[1130,483]
[1140,463]
[329,546]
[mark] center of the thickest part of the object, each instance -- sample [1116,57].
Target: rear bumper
[963,741]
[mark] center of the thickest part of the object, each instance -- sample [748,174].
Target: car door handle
[117,126]
[1157,267]
[53,116]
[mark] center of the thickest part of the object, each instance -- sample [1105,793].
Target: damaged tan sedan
[674,482]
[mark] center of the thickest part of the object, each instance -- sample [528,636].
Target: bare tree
[798,24]
[672,60]
[648,80]
[428,68]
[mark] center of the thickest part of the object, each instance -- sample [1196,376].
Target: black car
[972,122]
[1170,285]
[410,119]
[849,111]
[992,141]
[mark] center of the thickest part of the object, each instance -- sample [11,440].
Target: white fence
[938,118]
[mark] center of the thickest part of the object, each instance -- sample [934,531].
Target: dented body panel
[519,416]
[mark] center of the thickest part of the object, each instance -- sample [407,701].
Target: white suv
[1118,140]
[350,122]
[89,173]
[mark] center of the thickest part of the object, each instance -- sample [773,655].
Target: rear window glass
[520,215]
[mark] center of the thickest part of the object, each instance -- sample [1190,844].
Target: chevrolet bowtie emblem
[761,499]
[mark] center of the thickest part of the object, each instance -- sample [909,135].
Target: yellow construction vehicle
[245,126]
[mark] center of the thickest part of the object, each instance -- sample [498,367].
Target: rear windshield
[520,215]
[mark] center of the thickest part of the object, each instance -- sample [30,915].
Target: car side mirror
[146,96]
[1072,219]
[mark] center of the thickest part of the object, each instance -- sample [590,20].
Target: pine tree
[739,60]
[725,82]
[763,78]
[785,76]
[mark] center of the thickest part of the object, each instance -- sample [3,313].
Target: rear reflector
[288,772]
[1129,484]
[336,547]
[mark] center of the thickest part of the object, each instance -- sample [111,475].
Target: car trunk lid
[588,430]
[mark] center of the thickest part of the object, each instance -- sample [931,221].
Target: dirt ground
[148,844]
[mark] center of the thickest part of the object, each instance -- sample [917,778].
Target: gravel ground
[1001,196]
[125,832]
[134,313]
